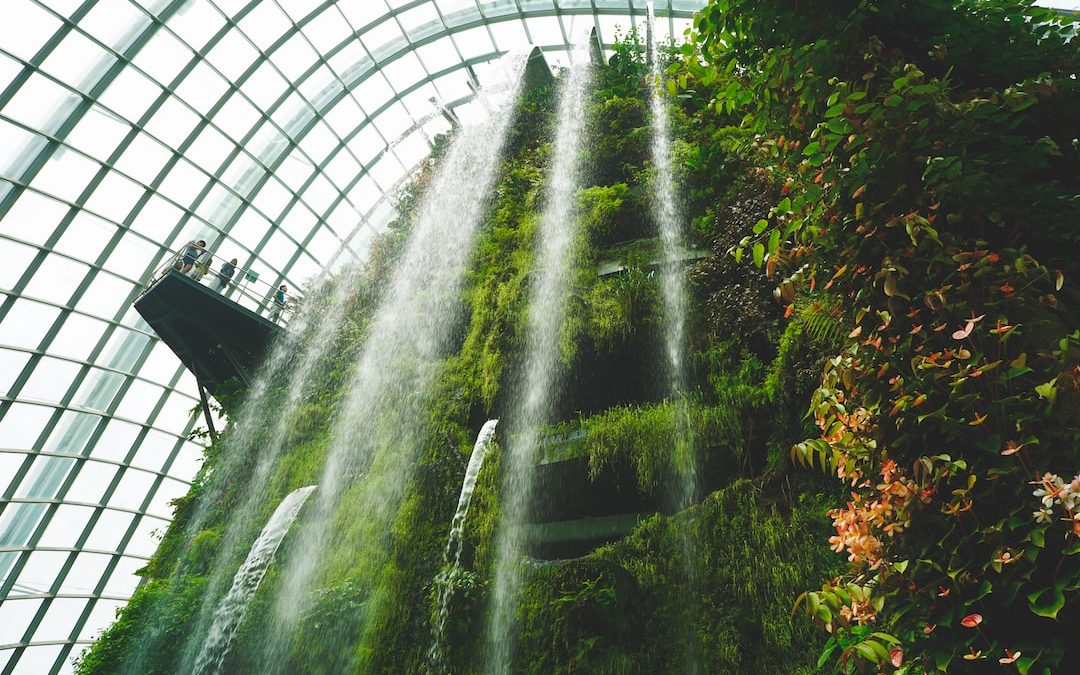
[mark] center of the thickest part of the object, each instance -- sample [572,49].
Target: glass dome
[273,129]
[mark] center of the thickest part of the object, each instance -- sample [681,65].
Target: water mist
[537,381]
[380,424]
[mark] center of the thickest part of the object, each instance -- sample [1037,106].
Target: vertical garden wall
[883,199]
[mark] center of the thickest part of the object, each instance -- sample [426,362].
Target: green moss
[618,610]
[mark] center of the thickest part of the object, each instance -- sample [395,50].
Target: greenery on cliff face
[888,194]
[927,161]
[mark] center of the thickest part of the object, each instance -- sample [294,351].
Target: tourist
[192,252]
[224,276]
[279,303]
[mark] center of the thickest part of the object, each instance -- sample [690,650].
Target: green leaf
[759,254]
[774,241]
[1048,390]
[835,110]
[1047,602]
[893,101]
[760,226]
[867,652]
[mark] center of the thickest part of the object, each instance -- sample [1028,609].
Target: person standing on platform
[192,252]
[224,276]
[279,303]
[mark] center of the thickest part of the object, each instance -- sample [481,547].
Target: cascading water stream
[380,424]
[230,612]
[249,454]
[306,348]
[673,278]
[537,381]
[445,581]
[673,292]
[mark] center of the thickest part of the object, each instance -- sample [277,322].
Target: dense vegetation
[887,194]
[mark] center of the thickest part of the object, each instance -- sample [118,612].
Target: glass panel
[26,323]
[85,236]
[294,57]
[50,380]
[90,485]
[78,61]
[237,117]
[265,24]
[98,133]
[146,537]
[102,616]
[209,149]
[123,580]
[39,573]
[154,450]
[163,57]
[130,94]
[178,409]
[106,295]
[187,463]
[196,22]
[38,659]
[11,366]
[327,30]
[116,441]
[41,104]
[85,573]
[109,530]
[139,401]
[183,183]
[143,159]
[115,197]
[157,219]
[232,55]
[56,279]
[202,88]
[114,22]
[131,256]
[172,122]
[60,619]
[77,337]
[26,28]
[15,617]
[170,489]
[16,259]
[265,86]
[132,490]
[23,423]
[66,174]
[66,526]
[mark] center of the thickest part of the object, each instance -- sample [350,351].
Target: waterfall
[264,428]
[230,612]
[673,277]
[251,447]
[380,423]
[550,286]
[673,293]
[445,581]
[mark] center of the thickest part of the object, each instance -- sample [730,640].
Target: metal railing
[242,286]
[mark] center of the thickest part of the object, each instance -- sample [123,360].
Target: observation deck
[219,325]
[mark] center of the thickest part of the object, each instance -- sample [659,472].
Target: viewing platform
[218,324]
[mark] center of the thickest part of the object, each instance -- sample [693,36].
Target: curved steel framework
[275,130]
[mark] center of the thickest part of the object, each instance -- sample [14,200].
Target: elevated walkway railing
[242,286]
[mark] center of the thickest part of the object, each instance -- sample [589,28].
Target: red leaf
[896,656]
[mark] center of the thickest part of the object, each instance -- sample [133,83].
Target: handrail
[244,287]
